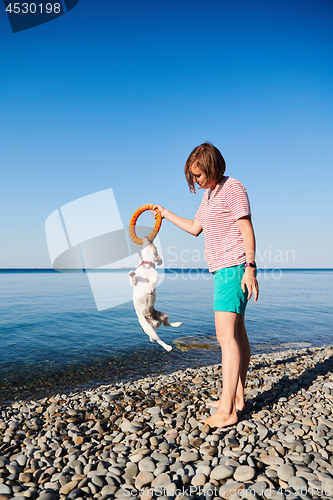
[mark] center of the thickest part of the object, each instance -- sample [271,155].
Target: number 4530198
[33,8]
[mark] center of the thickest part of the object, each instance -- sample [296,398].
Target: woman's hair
[209,159]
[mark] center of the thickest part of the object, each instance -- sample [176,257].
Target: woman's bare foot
[221,420]
[216,404]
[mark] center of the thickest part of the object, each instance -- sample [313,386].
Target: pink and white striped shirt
[218,215]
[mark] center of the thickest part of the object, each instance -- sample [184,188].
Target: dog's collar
[147,262]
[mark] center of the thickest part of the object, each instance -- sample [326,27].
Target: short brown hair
[209,159]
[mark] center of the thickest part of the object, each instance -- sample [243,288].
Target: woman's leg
[244,347]
[226,324]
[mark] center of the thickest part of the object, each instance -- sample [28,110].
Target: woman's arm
[190,226]
[249,278]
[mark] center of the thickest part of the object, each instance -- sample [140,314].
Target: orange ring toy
[134,218]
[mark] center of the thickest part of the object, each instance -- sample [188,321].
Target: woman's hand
[157,208]
[249,281]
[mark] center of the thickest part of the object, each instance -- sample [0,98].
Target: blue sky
[117,94]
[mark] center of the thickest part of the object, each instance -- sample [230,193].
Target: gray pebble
[131,470]
[221,472]
[5,490]
[144,478]
[147,464]
[189,456]
[199,479]
[161,480]
[244,473]
[285,472]
[47,495]
[298,483]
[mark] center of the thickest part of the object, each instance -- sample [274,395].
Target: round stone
[326,481]
[5,490]
[154,410]
[108,490]
[160,468]
[297,445]
[128,426]
[208,449]
[154,441]
[285,472]
[76,493]
[259,487]
[232,488]
[21,460]
[131,470]
[272,494]
[221,472]
[199,479]
[147,464]
[66,488]
[298,483]
[189,456]
[98,481]
[146,494]
[204,469]
[244,473]
[14,468]
[144,478]
[262,431]
[137,457]
[162,480]
[25,477]
[271,460]
[171,435]
[159,457]
[48,495]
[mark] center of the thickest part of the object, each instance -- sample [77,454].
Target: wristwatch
[250,264]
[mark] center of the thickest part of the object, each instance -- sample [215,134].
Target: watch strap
[250,264]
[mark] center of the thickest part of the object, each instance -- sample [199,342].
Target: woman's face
[200,178]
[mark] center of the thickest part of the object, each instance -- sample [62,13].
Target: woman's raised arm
[190,226]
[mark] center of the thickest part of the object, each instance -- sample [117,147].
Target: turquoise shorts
[228,294]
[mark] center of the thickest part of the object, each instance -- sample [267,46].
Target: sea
[56,337]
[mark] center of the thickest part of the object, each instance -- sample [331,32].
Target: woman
[224,217]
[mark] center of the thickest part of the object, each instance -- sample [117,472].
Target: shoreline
[195,352]
[144,436]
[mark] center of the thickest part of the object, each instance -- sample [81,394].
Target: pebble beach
[143,438]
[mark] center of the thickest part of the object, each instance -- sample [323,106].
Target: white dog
[144,281]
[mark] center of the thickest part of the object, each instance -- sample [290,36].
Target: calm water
[52,336]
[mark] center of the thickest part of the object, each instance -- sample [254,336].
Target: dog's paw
[176,324]
[168,348]
[132,278]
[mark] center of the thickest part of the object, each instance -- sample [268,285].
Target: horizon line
[165,268]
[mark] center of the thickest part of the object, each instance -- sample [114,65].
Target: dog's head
[149,252]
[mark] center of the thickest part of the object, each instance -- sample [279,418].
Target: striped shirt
[224,245]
